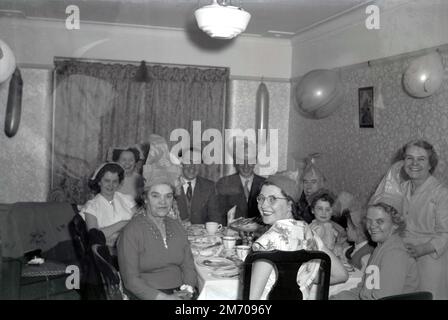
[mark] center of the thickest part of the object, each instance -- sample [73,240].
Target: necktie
[189,191]
[246,189]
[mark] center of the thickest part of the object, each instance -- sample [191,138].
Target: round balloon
[7,62]
[424,75]
[319,93]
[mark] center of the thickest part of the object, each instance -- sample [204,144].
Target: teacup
[229,242]
[242,251]
[212,227]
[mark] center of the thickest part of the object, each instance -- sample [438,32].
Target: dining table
[220,270]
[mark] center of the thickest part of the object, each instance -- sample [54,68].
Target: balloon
[262,109]
[7,62]
[319,94]
[14,104]
[424,75]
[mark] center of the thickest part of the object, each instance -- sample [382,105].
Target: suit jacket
[231,192]
[204,204]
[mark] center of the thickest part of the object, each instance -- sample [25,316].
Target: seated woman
[154,254]
[128,159]
[110,210]
[391,269]
[277,205]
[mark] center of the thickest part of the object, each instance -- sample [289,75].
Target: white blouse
[108,213]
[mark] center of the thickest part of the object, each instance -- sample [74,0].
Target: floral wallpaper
[355,159]
[25,158]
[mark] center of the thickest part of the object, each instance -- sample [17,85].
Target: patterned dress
[291,235]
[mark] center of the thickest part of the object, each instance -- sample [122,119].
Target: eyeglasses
[271,199]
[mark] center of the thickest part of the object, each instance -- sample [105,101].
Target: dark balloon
[14,105]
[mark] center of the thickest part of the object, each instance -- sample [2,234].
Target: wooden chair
[112,285]
[287,264]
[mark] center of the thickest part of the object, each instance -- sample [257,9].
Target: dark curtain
[99,106]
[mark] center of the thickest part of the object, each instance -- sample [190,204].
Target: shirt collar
[243,179]
[185,182]
[359,246]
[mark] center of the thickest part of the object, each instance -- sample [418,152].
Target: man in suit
[197,201]
[240,189]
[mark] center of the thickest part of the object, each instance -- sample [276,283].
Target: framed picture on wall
[366,110]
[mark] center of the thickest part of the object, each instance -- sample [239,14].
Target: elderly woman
[110,210]
[425,205]
[154,254]
[391,270]
[128,159]
[277,205]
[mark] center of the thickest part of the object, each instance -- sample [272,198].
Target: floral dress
[291,235]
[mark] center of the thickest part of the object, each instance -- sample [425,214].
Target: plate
[226,273]
[216,263]
[246,225]
[195,230]
[204,242]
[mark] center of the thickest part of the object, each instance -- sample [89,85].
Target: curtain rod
[136,63]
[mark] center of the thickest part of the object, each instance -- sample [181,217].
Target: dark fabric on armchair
[28,226]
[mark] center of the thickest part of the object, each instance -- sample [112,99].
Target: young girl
[330,232]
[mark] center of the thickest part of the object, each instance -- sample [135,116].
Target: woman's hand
[184,295]
[419,250]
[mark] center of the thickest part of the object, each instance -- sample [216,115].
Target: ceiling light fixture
[221,20]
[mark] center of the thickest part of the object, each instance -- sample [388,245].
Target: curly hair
[108,167]
[429,148]
[396,217]
[323,195]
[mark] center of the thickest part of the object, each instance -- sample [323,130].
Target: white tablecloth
[212,288]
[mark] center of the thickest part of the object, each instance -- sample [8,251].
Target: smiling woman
[426,206]
[109,211]
[277,205]
[154,254]
[391,270]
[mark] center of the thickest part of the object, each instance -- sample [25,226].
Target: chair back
[287,264]
[109,275]
[79,233]
[421,295]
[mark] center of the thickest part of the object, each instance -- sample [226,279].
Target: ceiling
[270,18]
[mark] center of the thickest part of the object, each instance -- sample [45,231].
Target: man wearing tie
[240,189]
[197,201]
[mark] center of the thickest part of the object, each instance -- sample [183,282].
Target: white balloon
[319,94]
[7,61]
[424,75]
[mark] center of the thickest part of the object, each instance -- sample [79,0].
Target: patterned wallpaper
[355,159]
[25,158]
[243,94]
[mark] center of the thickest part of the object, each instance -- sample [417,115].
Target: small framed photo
[366,110]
